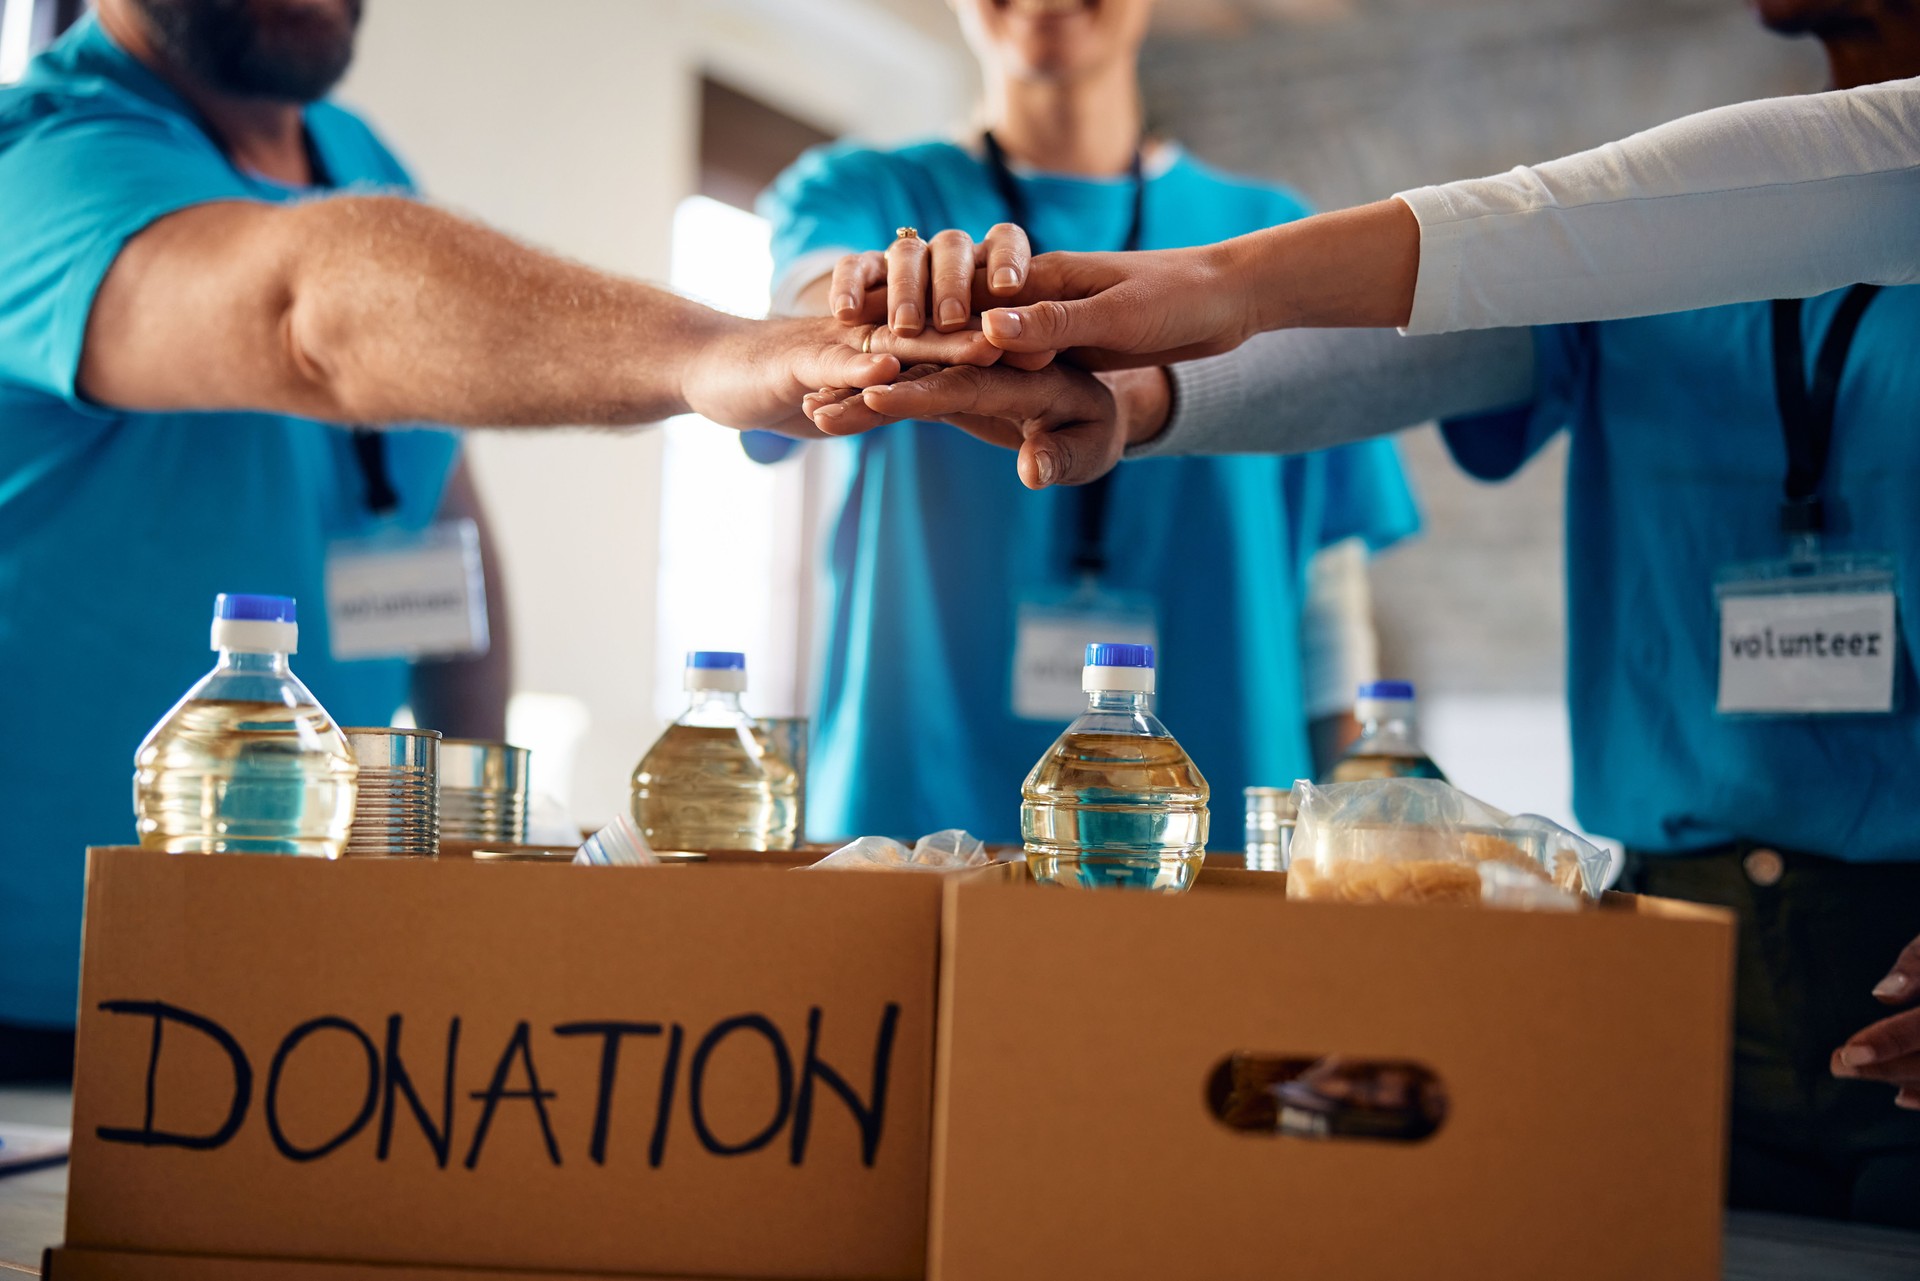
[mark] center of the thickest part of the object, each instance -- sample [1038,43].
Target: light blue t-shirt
[1677,463]
[117,529]
[936,543]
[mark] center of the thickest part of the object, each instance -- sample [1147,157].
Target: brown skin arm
[375,309]
[1354,268]
[467,697]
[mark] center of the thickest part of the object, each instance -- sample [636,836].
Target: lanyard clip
[1803,521]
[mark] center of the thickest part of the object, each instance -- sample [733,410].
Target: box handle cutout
[1327,1096]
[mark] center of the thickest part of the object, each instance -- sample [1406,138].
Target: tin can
[483,791]
[396,813]
[1270,818]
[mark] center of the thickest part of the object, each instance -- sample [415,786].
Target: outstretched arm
[1785,197]
[374,309]
[1282,393]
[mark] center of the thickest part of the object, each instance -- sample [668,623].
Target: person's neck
[1873,54]
[1089,127]
[264,136]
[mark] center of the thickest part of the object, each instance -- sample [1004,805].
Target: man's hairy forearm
[398,311]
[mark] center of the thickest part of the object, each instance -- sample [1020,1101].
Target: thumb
[1099,321]
[1070,455]
[1902,983]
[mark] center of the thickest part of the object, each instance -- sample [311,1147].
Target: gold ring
[905,233]
[866,344]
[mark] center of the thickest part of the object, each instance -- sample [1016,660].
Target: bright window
[732,551]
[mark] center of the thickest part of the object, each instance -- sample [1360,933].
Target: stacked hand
[1889,1051]
[753,375]
[1108,312]
[1068,425]
[1105,311]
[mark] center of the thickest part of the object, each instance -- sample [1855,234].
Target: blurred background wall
[1352,100]
[610,129]
[578,125]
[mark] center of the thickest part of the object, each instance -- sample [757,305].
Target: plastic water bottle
[1386,747]
[713,781]
[1115,801]
[248,762]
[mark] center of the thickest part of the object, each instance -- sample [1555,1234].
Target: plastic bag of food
[1419,840]
[618,844]
[942,851]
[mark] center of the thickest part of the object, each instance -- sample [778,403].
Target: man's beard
[256,48]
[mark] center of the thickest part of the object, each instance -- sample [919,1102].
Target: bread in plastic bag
[1419,840]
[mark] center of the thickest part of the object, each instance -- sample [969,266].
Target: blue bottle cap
[1120,656]
[719,660]
[1387,690]
[257,609]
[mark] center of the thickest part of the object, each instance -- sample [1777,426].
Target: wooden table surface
[1760,1247]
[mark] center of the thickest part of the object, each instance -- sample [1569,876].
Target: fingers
[1099,321]
[1902,983]
[1028,360]
[1070,428]
[825,407]
[1071,455]
[837,365]
[853,275]
[1885,1051]
[840,411]
[1043,397]
[906,285]
[1908,1098]
[965,347]
[950,255]
[1007,254]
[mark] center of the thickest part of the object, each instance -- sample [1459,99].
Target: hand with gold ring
[892,287]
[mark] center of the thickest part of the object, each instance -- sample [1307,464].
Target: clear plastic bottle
[1115,801]
[248,762]
[713,781]
[1386,747]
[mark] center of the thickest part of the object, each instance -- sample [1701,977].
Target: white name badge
[1812,641]
[408,595]
[1050,647]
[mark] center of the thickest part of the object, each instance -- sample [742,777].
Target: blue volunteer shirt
[117,529]
[1676,468]
[936,543]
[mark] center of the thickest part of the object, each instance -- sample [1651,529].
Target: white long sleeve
[1780,198]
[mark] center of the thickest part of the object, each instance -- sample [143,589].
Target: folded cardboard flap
[1583,1055]
[509,1066]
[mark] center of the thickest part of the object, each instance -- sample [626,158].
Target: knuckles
[952,241]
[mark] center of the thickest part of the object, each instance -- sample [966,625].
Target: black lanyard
[1806,412]
[369,446]
[1090,552]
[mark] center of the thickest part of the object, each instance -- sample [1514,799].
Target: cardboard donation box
[677,1071]
[1229,1084]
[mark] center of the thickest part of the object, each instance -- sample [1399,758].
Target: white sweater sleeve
[1781,198]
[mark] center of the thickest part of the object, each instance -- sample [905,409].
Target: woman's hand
[917,278]
[1113,310]
[1353,268]
[1889,1051]
[1068,426]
